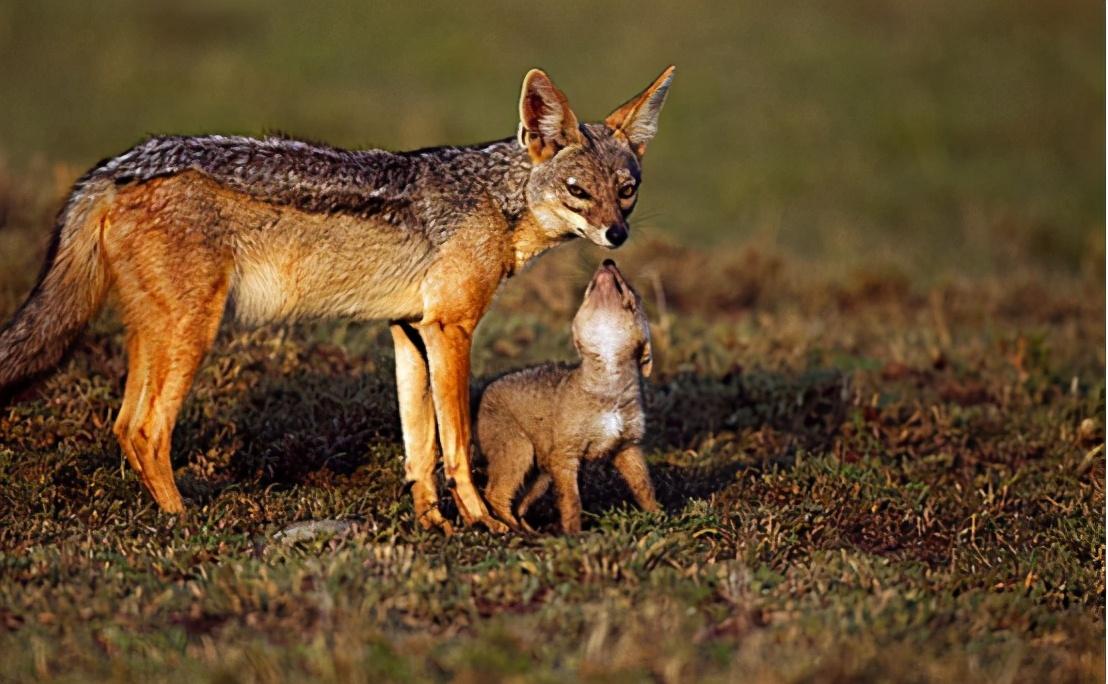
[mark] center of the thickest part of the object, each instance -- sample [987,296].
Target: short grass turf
[861,481]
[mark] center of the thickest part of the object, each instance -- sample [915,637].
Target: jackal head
[585,177]
[611,324]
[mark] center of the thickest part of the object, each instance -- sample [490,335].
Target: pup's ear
[637,119]
[646,359]
[546,123]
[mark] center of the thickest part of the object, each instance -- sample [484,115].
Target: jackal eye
[627,191]
[576,190]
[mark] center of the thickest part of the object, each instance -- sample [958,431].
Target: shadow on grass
[319,429]
[307,428]
[805,410]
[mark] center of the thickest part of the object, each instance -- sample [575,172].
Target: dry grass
[863,480]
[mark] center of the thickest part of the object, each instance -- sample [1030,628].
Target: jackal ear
[546,123]
[637,119]
[646,359]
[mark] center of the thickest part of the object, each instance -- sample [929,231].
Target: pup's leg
[509,459]
[417,421]
[448,356]
[632,466]
[503,485]
[538,488]
[564,475]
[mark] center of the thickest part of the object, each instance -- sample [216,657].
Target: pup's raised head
[611,325]
[585,177]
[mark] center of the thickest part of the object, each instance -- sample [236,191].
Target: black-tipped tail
[69,291]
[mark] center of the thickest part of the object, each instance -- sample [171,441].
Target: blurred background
[933,138]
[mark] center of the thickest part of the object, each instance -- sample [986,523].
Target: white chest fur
[611,424]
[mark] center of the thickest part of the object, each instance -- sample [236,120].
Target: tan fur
[555,416]
[157,258]
[179,228]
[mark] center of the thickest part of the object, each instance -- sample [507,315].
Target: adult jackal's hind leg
[171,315]
[171,280]
[163,360]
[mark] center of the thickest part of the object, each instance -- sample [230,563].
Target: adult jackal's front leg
[417,420]
[448,355]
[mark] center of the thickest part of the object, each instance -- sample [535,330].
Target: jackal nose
[616,234]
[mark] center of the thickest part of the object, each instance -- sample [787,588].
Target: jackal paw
[432,519]
[493,525]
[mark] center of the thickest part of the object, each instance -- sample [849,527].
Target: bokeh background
[936,136]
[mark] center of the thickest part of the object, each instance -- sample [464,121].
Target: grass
[871,243]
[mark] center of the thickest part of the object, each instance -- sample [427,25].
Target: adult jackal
[177,226]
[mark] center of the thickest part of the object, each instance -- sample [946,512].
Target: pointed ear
[637,119]
[646,359]
[546,123]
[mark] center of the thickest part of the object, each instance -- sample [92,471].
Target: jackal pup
[555,415]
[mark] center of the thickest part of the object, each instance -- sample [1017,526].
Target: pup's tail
[70,288]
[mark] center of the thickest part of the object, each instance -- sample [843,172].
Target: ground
[860,481]
[874,266]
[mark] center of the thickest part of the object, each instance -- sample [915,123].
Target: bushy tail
[69,291]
